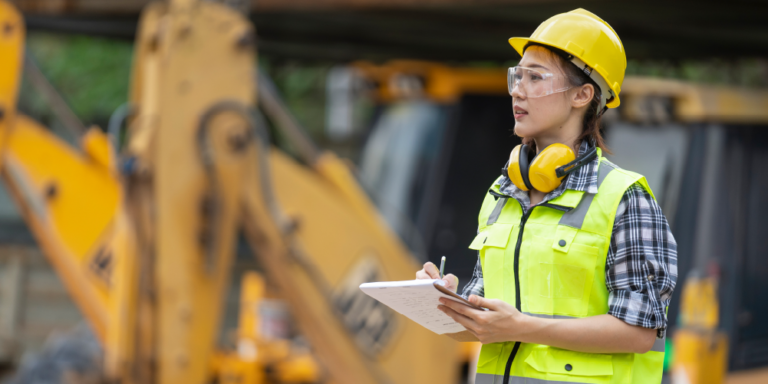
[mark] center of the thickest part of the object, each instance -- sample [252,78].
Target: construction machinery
[143,239]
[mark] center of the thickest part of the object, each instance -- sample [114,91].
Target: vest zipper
[518,303]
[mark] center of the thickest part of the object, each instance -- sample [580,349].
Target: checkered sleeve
[475,285]
[641,266]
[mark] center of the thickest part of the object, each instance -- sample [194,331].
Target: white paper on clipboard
[418,301]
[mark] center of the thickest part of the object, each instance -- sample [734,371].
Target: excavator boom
[144,241]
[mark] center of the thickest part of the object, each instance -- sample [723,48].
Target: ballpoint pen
[442,266]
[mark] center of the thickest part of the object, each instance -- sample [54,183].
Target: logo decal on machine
[371,322]
[102,263]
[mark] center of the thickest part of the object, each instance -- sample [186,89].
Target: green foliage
[302,86]
[92,73]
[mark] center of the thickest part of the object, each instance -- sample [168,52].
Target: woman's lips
[519,112]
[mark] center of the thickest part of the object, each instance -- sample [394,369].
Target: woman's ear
[583,96]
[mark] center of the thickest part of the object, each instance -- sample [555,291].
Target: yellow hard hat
[593,45]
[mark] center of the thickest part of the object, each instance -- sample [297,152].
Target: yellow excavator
[144,240]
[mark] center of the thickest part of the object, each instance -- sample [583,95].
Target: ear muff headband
[576,164]
[524,163]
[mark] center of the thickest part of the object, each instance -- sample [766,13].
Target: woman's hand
[502,322]
[594,334]
[430,271]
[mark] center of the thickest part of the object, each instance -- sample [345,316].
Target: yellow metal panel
[80,194]
[442,84]
[701,352]
[298,369]
[699,307]
[120,342]
[11,57]
[97,147]
[231,369]
[189,57]
[251,293]
[339,237]
[700,356]
[699,103]
[70,201]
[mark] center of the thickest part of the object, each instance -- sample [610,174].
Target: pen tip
[443,258]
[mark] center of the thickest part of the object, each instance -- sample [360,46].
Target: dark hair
[576,78]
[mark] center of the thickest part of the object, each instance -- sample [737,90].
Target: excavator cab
[439,139]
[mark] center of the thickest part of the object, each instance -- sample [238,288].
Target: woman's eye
[536,76]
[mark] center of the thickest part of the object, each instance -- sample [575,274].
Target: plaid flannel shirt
[641,266]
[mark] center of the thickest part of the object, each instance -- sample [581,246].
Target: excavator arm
[145,243]
[68,197]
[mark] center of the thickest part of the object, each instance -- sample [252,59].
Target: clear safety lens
[533,82]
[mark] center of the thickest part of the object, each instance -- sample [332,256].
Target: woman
[576,261]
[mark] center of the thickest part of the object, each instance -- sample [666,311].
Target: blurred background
[412,95]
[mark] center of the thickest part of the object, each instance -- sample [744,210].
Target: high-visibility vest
[550,263]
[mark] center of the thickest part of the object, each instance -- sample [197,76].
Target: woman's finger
[460,308]
[421,275]
[492,304]
[451,281]
[468,323]
[431,270]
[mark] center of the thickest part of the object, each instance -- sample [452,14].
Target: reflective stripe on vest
[482,378]
[497,210]
[575,218]
[560,270]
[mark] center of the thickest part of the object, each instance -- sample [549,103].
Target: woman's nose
[516,92]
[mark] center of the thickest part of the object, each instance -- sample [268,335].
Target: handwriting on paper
[416,300]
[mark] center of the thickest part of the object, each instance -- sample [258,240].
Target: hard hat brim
[519,44]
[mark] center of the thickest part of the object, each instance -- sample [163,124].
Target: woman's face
[540,116]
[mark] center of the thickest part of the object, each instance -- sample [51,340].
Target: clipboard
[457,297]
[418,300]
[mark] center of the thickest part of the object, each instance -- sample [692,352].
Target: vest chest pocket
[561,271]
[495,235]
[492,244]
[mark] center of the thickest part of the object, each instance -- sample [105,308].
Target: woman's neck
[571,141]
[566,133]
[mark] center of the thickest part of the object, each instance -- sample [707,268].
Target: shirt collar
[583,179]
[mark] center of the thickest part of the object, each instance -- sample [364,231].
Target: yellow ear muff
[541,173]
[514,171]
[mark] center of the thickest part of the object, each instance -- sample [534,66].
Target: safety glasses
[534,83]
